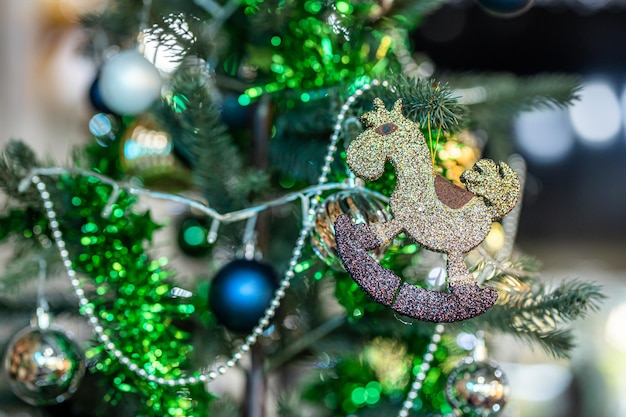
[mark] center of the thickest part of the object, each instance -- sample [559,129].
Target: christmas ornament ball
[455,153]
[360,206]
[95,98]
[193,235]
[241,292]
[44,366]
[147,152]
[478,388]
[505,8]
[129,83]
[234,114]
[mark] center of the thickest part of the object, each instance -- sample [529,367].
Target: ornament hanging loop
[42,316]
[108,208]
[480,349]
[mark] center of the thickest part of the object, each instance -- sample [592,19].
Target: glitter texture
[453,226]
[378,282]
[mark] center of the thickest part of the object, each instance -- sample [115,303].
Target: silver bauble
[362,207]
[129,83]
[44,366]
[478,388]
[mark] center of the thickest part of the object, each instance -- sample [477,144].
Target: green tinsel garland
[131,297]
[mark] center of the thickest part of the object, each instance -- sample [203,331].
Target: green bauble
[193,236]
[44,366]
[478,388]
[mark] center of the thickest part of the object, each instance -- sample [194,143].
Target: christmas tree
[285,190]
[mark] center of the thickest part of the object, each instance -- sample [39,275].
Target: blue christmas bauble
[96,98]
[234,114]
[241,292]
[505,8]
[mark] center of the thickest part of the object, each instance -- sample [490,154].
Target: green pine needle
[201,138]
[23,270]
[505,95]
[428,102]
[16,160]
[537,313]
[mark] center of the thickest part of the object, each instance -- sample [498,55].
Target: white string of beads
[418,382]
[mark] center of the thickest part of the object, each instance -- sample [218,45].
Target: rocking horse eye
[386,129]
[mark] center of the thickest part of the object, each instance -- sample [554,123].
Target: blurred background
[574,213]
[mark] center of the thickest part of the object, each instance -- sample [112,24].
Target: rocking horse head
[368,152]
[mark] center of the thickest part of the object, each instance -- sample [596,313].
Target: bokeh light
[163,53]
[538,382]
[596,117]
[544,136]
[614,330]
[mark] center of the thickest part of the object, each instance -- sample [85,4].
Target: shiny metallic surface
[44,366]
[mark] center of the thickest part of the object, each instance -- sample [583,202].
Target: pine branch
[204,142]
[520,93]
[24,270]
[300,140]
[119,23]
[183,31]
[428,102]
[536,313]
[569,301]
[529,264]
[506,95]
[556,342]
[273,17]
[16,160]
[301,135]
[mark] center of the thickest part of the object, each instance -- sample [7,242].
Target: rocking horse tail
[464,300]
[377,282]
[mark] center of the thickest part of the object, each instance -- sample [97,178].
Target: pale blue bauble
[129,83]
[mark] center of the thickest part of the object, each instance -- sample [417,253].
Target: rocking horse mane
[380,115]
[368,152]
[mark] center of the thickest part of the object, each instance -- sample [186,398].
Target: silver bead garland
[418,382]
[251,339]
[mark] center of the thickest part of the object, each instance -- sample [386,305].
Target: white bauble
[129,83]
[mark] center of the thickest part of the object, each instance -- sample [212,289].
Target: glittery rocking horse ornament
[437,214]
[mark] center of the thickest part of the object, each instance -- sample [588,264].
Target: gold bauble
[362,208]
[478,388]
[147,152]
[456,153]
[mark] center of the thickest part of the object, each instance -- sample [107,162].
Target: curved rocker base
[464,300]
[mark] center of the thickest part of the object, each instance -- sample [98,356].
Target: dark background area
[582,196]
